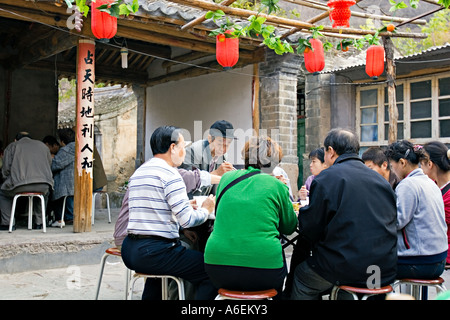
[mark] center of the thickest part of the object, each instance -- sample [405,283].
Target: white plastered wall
[196,103]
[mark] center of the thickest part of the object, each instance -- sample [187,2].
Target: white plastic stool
[30,196]
[112,252]
[107,205]
[165,285]
[62,212]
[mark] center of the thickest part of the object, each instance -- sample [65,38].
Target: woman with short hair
[244,250]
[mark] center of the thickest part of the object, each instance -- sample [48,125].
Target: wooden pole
[255,98]
[84,136]
[390,77]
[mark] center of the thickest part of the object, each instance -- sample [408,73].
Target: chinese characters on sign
[85,106]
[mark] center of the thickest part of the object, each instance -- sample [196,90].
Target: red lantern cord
[340,13]
[315,58]
[375,61]
[227,50]
[103,25]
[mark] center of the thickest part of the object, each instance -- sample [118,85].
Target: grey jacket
[198,155]
[25,162]
[421,226]
[63,166]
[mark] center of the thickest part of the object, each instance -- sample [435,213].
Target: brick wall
[278,106]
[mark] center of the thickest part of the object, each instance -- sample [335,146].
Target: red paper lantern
[375,61]
[103,25]
[227,50]
[315,58]
[340,13]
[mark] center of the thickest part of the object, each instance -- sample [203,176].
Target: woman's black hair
[403,149]
[439,154]
[318,153]
[66,135]
[163,137]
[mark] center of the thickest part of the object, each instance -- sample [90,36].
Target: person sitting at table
[158,206]
[421,228]
[244,251]
[375,159]
[316,166]
[437,168]
[350,224]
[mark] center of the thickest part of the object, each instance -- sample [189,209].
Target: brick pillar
[278,106]
[318,114]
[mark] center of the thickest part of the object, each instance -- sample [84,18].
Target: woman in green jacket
[244,250]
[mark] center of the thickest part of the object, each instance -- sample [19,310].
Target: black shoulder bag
[232,183]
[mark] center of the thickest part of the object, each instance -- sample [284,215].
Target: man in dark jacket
[350,224]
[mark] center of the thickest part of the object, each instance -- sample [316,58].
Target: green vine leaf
[445,3]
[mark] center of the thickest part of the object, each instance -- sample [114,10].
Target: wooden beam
[102,71]
[191,56]
[324,7]
[290,22]
[205,68]
[390,76]
[202,18]
[56,43]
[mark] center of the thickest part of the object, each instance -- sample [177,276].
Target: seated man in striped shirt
[158,207]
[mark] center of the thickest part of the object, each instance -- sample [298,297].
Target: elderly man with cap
[209,157]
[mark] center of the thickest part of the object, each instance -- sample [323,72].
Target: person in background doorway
[52,143]
[26,168]
[63,170]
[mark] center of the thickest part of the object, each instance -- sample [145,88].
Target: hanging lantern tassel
[375,61]
[124,54]
[227,51]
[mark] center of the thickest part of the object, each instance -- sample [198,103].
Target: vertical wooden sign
[84,141]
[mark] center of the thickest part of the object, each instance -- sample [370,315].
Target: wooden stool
[165,284]
[107,205]
[365,291]
[246,295]
[417,284]
[30,196]
[112,252]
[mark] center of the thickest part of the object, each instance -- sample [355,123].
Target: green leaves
[115,9]
[254,28]
[445,3]
[119,8]
[395,6]
[215,15]
[271,5]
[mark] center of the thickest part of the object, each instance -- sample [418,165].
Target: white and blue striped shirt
[158,202]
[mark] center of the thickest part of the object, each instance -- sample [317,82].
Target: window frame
[435,119]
